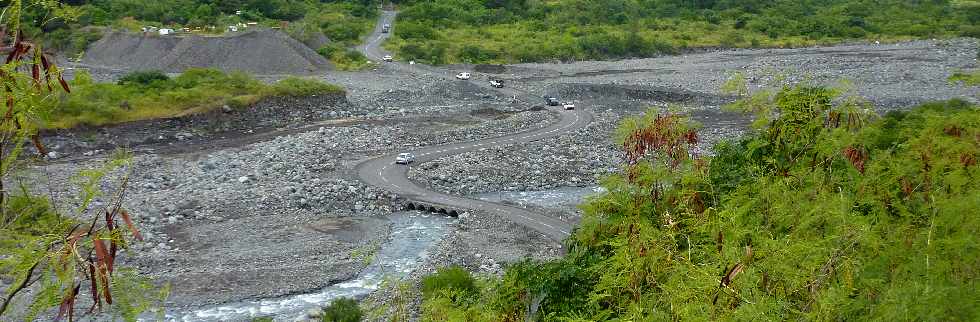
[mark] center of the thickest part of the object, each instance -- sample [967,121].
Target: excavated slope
[265,52]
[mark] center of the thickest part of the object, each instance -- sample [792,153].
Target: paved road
[384,173]
[372,45]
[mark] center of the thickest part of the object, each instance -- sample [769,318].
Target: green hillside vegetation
[481,31]
[342,21]
[150,95]
[825,212]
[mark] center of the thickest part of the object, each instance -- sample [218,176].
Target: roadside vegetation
[152,94]
[344,58]
[476,31]
[826,211]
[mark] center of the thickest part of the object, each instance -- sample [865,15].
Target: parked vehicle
[405,158]
[551,101]
[496,83]
[569,106]
[386,28]
[387,58]
[463,76]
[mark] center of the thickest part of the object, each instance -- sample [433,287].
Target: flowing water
[553,198]
[413,235]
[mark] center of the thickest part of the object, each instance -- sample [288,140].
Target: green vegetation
[825,212]
[452,280]
[451,31]
[967,78]
[49,252]
[149,95]
[344,58]
[342,310]
[342,21]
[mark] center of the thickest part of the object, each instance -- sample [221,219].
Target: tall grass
[143,96]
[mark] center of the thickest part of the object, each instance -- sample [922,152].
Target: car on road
[405,158]
[463,76]
[386,28]
[568,106]
[551,101]
[496,83]
[387,58]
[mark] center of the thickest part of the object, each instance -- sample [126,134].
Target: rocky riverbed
[270,218]
[272,214]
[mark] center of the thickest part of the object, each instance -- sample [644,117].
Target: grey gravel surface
[270,218]
[889,75]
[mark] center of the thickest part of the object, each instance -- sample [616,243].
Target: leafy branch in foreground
[54,259]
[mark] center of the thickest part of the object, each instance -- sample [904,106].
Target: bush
[967,78]
[145,78]
[446,279]
[295,86]
[344,58]
[342,310]
[194,77]
[149,95]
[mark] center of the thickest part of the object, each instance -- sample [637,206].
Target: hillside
[477,31]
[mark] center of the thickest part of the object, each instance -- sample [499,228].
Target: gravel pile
[263,52]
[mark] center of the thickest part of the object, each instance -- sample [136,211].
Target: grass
[144,96]
[967,78]
[344,58]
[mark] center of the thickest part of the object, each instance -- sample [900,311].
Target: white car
[405,158]
[496,83]
[387,58]
[463,76]
[568,106]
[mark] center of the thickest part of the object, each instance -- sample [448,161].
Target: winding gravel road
[382,172]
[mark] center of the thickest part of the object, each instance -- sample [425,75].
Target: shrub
[194,91]
[344,58]
[144,78]
[452,278]
[342,310]
[295,86]
[967,78]
[194,77]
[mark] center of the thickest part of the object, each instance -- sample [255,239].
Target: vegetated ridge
[473,31]
[264,52]
[824,212]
